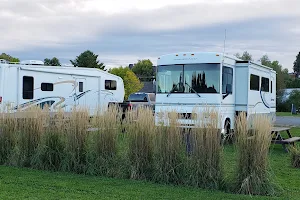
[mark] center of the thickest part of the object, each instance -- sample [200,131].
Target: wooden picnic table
[278,139]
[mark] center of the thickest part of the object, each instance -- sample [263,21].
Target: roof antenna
[224,45]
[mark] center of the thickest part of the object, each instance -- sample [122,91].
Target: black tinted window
[254,82]
[28,87]
[271,86]
[264,84]
[110,85]
[47,86]
[227,79]
[80,86]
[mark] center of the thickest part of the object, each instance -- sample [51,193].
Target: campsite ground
[17,183]
[286,119]
[286,114]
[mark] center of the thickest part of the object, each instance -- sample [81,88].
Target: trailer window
[47,86]
[28,87]
[265,84]
[271,86]
[254,82]
[80,86]
[110,85]
[227,79]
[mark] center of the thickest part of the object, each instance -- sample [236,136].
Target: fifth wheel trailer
[30,83]
[189,80]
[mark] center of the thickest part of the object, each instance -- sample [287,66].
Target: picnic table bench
[278,139]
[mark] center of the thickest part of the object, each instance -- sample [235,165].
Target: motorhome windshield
[190,78]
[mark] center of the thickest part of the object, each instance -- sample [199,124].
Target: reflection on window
[227,79]
[170,78]
[264,84]
[202,78]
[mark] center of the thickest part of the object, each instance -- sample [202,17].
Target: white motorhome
[30,83]
[185,81]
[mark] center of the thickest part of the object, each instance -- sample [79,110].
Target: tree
[282,75]
[131,82]
[9,58]
[245,56]
[52,62]
[296,66]
[143,68]
[88,59]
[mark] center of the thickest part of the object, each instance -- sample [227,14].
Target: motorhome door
[80,90]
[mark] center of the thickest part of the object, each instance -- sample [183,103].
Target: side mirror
[229,89]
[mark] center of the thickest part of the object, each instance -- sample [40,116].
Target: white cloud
[55,24]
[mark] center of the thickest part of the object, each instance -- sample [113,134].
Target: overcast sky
[123,31]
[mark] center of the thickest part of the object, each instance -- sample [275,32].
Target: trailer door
[80,90]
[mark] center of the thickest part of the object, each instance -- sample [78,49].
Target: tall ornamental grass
[140,130]
[169,152]
[75,150]
[253,144]
[205,166]
[102,143]
[8,130]
[50,152]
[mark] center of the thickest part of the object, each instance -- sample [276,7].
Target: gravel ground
[287,121]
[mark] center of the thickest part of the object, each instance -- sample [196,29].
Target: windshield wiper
[193,90]
[172,89]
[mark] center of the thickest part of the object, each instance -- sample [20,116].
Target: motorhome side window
[110,85]
[271,86]
[254,82]
[47,86]
[28,84]
[265,84]
[227,80]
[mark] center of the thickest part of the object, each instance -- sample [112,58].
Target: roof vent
[32,62]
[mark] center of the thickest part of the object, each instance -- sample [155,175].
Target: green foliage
[143,68]
[245,56]
[88,59]
[131,82]
[52,62]
[293,83]
[296,66]
[9,58]
[282,75]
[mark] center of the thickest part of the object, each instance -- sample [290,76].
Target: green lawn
[286,114]
[17,183]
